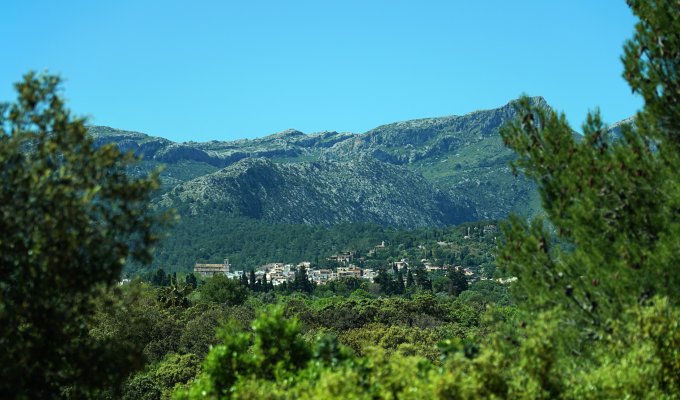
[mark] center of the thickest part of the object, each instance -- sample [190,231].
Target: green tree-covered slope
[318,193]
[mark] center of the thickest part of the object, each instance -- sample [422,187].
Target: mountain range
[424,172]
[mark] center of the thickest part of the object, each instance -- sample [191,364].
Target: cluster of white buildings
[323,276]
[278,273]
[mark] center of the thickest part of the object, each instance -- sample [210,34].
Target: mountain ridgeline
[418,173]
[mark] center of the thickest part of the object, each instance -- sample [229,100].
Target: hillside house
[322,276]
[347,272]
[369,274]
[401,264]
[433,268]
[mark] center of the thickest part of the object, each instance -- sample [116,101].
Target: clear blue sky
[202,70]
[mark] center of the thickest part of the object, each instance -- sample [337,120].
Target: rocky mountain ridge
[453,165]
[318,193]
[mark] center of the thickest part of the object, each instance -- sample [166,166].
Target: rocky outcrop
[319,193]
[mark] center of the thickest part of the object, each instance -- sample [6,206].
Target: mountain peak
[535,101]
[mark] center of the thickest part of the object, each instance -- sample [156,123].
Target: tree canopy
[612,203]
[70,218]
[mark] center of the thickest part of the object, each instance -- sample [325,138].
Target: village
[279,273]
[346,264]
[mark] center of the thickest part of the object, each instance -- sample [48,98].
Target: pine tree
[422,279]
[265,285]
[302,282]
[612,205]
[399,284]
[409,279]
[383,279]
[251,282]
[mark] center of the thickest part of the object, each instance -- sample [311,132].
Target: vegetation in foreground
[596,301]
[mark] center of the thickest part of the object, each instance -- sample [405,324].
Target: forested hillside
[250,243]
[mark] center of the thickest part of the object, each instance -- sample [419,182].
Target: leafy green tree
[275,348]
[220,289]
[159,380]
[265,285]
[422,279]
[142,387]
[174,295]
[385,281]
[70,218]
[198,334]
[278,344]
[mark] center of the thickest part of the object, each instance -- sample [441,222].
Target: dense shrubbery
[285,339]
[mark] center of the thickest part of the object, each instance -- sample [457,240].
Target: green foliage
[395,338]
[220,289]
[486,292]
[191,280]
[70,217]
[613,206]
[457,281]
[278,345]
[174,296]
[274,349]
[639,359]
[328,331]
[159,380]
[160,278]
[250,243]
[202,321]
[651,68]
[301,282]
